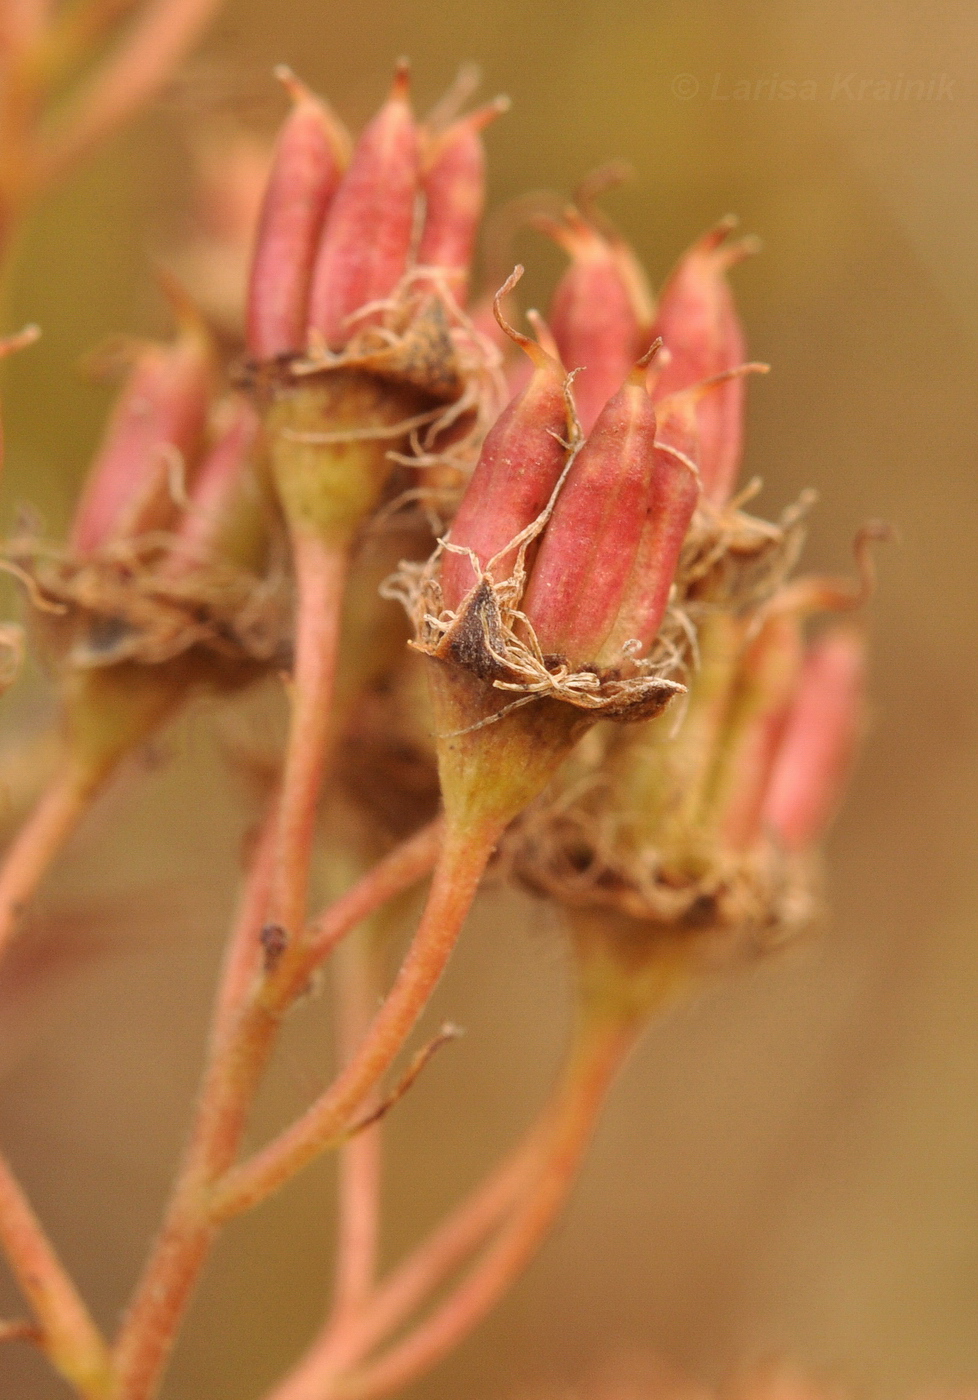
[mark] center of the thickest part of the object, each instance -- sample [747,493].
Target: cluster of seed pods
[337,228]
[662,440]
[623,458]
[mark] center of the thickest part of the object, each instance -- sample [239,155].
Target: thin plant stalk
[38,842]
[158,39]
[240,1046]
[346,1338]
[552,1165]
[321,571]
[356,988]
[68,1336]
[244,952]
[462,861]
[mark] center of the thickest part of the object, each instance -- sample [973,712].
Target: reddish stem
[244,954]
[458,872]
[345,1339]
[69,1337]
[398,871]
[601,1049]
[320,576]
[133,72]
[239,1051]
[356,993]
[38,842]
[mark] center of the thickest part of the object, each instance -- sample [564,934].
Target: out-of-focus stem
[522,1198]
[19,1329]
[69,1337]
[75,31]
[244,952]
[321,571]
[344,1340]
[461,863]
[398,871]
[600,1050]
[108,713]
[356,993]
[158,39]
[243,1039]
[38,842]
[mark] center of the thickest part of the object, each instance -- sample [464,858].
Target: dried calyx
[705,827]
[168,551]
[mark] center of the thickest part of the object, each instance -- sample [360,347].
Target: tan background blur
[792,1160]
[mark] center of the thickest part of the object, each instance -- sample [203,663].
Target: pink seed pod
[156,425]
[766,685]
[310,156]
[698,323]
[593,315]
[518,468]
[453,179]
[816,753]
[673,494]
[216,488]
[630,270]
[591,541]
[363,253]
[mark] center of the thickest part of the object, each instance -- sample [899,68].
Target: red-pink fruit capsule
[216,487]
[592,315]
[310,156]
[816,753]
[518,468]
[590,544]
[766,686]
[699,325]
[364,249]
[453,178]
[157,424]
[673,493]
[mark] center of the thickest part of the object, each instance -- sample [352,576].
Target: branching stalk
[240,1047]
[68,1335]
[460,866]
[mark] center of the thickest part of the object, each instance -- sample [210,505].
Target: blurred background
[790,1164]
